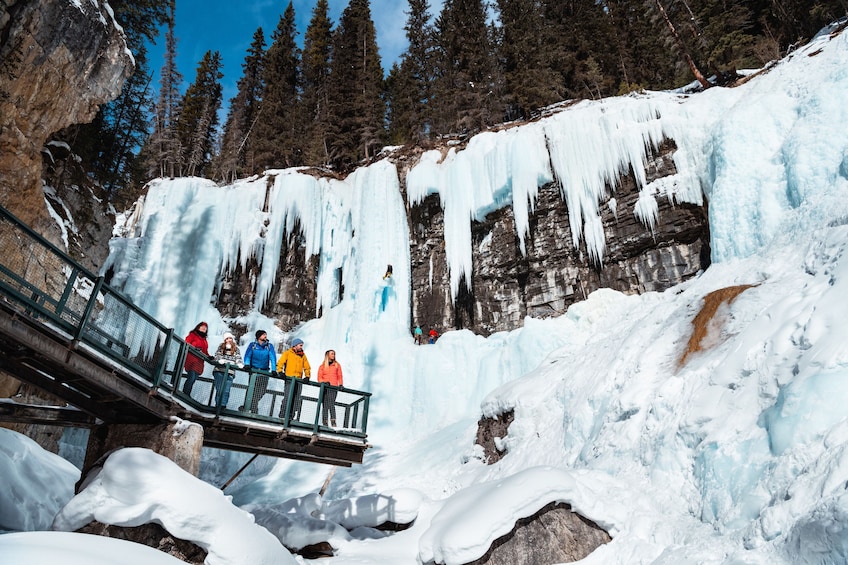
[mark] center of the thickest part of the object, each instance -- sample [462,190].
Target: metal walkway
[65,331]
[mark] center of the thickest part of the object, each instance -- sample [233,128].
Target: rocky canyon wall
[508,286]
[58,63]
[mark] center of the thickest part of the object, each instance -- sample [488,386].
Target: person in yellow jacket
[293,364]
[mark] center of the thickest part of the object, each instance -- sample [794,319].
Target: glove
[240,365]
[221,362]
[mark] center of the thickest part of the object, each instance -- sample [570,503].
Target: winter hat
[297,341]
[229,335]
[260,333]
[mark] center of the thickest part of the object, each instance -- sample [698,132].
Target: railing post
[160,366]
[290,392]
[89,308]
[365,413]
[178,368]
[319,411]
[248,395]
[72,279]
[216,393]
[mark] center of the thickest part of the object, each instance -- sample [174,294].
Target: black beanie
[259,334]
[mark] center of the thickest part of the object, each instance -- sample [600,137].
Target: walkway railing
[43,283]
[265,396]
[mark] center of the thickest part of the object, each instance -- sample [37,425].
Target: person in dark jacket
[259,355]
[194,364]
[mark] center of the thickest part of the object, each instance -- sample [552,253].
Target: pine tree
[198,119]
[727,35]
[464,85]
[107,144]
[642,59]
[130,131]
[400,93]
[237,155]
[357,107]
[278,137]
[317,51]
[580,40]
[795,21]
[687,49]
[530,79]
[141,19]
[410,83]
[162,150]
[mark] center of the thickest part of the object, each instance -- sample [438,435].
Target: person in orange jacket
[294,365]
[330,372]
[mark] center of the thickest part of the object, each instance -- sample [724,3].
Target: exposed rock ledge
[152,535]
[490,431]
[555,534]
[58,63]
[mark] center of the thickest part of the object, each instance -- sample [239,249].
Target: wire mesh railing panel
[76,296]
[352,407]
[120,328]
[304,405]
[264,396]
[238,392]
[31,270]
[172,365]
[201,389]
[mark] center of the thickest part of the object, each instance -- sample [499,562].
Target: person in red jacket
[329,372]
[194,364]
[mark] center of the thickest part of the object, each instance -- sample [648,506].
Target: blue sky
[228,26]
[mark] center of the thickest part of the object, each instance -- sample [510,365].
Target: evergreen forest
[330,103]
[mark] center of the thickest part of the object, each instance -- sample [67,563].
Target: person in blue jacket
[259,355]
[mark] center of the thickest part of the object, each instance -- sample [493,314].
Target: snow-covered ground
[739,454]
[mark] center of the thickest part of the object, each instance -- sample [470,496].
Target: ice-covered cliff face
[525,262]
[523,221]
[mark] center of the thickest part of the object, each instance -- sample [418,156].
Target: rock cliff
[58,62]
[508,286]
